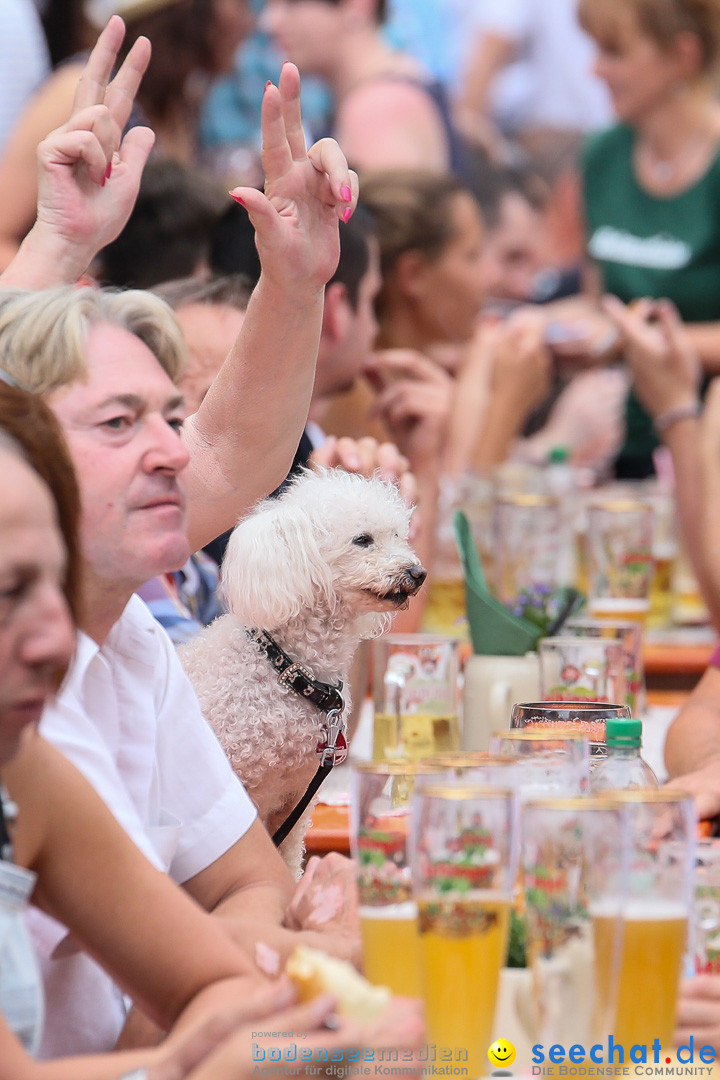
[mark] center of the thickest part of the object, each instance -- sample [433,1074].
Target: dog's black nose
[418,573]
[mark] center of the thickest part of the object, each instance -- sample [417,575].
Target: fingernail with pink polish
[347,214]
[108,171]
[346,193]
[268,83]
[238,198]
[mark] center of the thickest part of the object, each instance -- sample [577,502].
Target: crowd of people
[529,259]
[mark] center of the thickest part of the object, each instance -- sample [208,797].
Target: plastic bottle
[560,482]
[623,767]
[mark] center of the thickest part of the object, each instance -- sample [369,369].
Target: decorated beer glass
[379,820]
[415,695]
[575,864]
[464,864]
[656,914]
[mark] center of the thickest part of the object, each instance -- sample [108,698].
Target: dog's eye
[363,540]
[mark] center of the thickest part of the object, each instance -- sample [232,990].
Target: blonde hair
[661,21]
[43,335]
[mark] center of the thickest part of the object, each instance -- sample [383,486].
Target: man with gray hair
[154,487]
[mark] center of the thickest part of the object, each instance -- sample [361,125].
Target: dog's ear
[273,568]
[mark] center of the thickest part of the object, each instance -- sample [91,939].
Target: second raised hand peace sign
[306,193]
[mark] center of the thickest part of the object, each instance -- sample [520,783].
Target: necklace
[665,170]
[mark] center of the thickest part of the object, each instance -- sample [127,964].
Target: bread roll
[313,972]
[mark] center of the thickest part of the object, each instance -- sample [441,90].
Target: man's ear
[337,313]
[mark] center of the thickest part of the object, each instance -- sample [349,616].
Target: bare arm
[520,380]
[391,124]
[665,371]
[84,862]
[245,433]
[692,746]
[491,53]
[249,889]
[148,934]
[706,340]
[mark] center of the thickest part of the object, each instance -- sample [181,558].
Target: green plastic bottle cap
[621,731]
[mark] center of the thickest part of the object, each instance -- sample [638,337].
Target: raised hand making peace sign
[306,192]
[88,172]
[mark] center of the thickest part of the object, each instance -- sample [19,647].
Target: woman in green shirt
[652,183]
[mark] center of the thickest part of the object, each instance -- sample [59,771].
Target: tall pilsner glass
[380,820]
[656,915]
[464,862]
[575,863]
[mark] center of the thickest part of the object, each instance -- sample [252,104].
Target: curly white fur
[320,568]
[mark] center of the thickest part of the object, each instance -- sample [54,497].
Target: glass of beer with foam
[656,914]
[575,858]
[620,559]
[463,850]
[379,827]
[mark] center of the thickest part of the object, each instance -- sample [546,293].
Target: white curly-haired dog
[318,569]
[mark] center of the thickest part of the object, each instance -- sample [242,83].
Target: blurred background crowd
[518,161]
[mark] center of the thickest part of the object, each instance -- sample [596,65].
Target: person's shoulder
[400,96]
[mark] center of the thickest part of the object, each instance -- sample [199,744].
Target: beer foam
[610,605]
[639,909]
[400,912]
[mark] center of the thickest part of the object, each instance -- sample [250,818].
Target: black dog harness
[332,749]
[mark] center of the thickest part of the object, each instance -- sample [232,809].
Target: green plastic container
[494,630]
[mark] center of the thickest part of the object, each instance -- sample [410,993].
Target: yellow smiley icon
[501,1053]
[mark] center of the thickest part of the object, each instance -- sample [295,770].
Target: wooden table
[675,666]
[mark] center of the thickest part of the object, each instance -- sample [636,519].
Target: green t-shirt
[647,245]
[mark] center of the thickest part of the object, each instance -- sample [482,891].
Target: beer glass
[581,669]
[526,533]
[706,913]
[379,826]
[415,695]
[464,864]
[556,717]
[620,559]
[468,767]
[656,914]
[574,854]
[546,763]
[630,636]
[445,609]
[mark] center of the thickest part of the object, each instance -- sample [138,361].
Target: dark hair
[232,245]
[32,425]
[231,289]
[491,184]
[354,253]
[381,9]
[181,37]
[67,31]
[169,231]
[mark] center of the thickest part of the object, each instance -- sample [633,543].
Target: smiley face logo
[501,1053]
